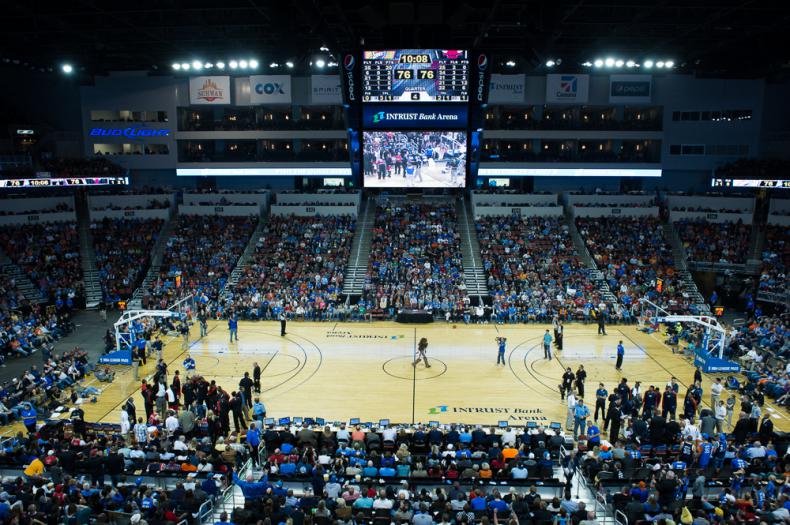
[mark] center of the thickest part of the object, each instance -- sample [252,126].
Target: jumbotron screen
[415,75]
[414,159]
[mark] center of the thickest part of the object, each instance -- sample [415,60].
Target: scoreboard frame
[415,83]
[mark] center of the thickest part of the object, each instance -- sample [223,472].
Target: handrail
[623,521]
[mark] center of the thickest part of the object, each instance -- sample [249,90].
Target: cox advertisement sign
[270,89]
[414,117]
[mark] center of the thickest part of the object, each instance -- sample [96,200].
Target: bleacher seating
[415,260]
[297,267]
[199,257]
[123,254]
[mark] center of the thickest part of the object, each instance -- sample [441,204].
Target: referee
[282,324]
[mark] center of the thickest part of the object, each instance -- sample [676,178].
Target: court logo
[438,409]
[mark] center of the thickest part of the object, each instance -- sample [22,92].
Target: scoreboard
[61,182]
[415,75]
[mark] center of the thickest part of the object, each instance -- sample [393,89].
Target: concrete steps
[241,264]
[357,268]
[475,277]
[596,276]
[22,282]
[682,273]
[90,272]
[156,263]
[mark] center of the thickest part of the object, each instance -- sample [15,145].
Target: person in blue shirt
[601,395]
[581,413]
[593,436]
[253,441]
[29,416]
[547,345]
[500,358]
[497,504]
[706,450]
[189,366]
[251,489]
[233,327]
[620,355]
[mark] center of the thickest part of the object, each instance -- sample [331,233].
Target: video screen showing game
[414,159]
[415,75]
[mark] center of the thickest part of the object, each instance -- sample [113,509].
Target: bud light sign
[133,132]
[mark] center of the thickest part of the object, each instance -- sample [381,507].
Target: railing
[620,518]
[774,297]
[709,266]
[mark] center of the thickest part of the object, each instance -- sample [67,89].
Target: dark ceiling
[728,37]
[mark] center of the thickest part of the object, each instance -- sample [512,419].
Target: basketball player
[500,358]
[422,348]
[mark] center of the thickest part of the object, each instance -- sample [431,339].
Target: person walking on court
[282,323]
[620,355]
[256,377]
[189,366]
[601,322]
[501,341]
[203,321]
[547,345]
[233,327]
[184,329]
[245,389]
[558,337]
[422,349]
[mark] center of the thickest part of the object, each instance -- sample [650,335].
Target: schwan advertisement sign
[414,117]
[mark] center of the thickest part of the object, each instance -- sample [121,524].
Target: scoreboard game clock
[415,75]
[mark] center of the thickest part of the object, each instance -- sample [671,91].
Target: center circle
[401,368]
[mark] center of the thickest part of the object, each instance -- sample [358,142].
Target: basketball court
[339,371]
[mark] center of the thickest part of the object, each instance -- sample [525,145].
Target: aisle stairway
[357,268]
[594,274]
[244,259]
[685,279]
[474,272]
[90,271]
[156,262]
[21,281]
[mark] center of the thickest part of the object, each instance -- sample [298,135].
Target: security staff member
[600,401]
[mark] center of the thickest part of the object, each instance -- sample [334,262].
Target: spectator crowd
[297,268]
[199,257]
[533,271]
[415,260]
[123,254]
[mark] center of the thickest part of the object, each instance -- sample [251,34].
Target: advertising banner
[507,89]
[414,116]
[270,89]
[325,89]
[209,90]
[567,89]
[630,88]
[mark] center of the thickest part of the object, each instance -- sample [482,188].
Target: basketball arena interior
[342,263]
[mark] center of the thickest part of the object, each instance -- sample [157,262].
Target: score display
[63,182]
[415,75]
[751,183]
